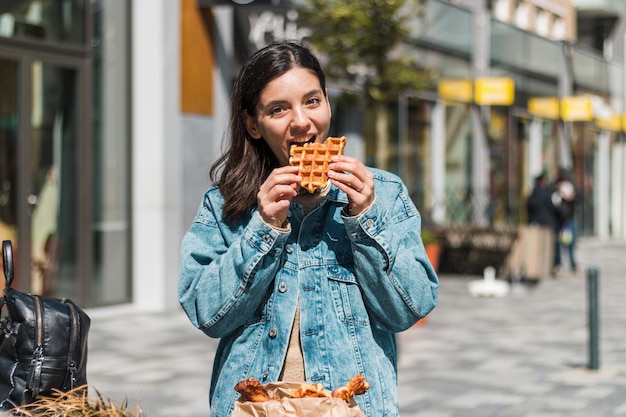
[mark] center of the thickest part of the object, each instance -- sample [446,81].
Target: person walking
[542,213]
[301,286]
[564,197]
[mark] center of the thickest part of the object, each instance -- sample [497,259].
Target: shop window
[543,22]
[60,21]
[502,10]
[558,29]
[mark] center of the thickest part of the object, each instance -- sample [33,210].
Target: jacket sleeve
[406,288]
[223,282]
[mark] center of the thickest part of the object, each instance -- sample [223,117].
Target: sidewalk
[525,355]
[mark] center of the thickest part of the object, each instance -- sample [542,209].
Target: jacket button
[369,223]
[273,332]
[288,248]
[266,238]
[282,287]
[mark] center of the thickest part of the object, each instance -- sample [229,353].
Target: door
[8,150]
[41,173]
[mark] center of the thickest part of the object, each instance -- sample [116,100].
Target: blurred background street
[113,112]
[523,355]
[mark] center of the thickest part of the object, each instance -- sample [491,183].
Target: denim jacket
[358,281]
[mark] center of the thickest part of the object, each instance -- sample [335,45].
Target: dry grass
[76,403]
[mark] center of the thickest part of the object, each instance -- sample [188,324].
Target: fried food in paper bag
[252,390]
[291,399]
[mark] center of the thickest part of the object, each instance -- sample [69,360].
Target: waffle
[313,160]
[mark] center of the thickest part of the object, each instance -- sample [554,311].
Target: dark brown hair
[248,162]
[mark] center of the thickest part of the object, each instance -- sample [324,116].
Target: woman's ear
[251,126]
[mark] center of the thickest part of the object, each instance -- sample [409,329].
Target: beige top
[293,368]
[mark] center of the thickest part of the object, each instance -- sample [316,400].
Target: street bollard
[592,287]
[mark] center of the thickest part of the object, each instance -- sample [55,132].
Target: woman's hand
[352,177]
[276,193]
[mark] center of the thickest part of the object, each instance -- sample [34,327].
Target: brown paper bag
[295,407]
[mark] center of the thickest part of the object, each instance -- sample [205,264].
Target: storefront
[63,175]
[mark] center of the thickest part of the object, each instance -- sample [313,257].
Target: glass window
[514,47]
[590,70]
[54,177]
[413,154]
[502,10]
[543,23]
[458,163]
[448,66]
[446,26]
[522,15]
[60,21]
[558,29]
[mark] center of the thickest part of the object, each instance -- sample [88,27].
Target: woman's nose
[300,119]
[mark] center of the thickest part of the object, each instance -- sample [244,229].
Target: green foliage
[429,236]
[361,43]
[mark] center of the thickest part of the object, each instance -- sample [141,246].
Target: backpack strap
[7,260]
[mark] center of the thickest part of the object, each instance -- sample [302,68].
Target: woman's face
[292,109]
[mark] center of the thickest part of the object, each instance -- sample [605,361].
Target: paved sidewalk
[525,355]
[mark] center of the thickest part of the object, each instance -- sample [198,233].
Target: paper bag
[295,407]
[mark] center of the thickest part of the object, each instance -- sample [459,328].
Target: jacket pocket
[347,297]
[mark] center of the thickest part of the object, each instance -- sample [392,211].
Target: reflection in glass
[54,175]
[60,21]
[445,25]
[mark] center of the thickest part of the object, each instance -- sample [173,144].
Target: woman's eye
[314,100]
[276,110]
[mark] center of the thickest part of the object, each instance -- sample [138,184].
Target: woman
[301,286]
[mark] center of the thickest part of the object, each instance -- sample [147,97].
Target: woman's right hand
[276,193]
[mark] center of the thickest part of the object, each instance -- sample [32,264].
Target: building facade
[111,114]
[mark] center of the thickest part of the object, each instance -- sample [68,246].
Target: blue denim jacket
[358,281]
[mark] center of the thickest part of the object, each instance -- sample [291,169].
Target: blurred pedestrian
[541,210]
[564,196]
[543,214]
[301,286]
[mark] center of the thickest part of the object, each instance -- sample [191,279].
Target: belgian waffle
[313,160]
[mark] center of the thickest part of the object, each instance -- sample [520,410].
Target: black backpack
[43,344]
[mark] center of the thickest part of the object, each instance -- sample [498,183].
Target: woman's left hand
[352,177]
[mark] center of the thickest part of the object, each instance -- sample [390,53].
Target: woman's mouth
[303,140]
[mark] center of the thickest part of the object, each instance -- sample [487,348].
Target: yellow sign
[546,107]
[624,122]
[494,91]
[614,123]
[455,90]
[576,109]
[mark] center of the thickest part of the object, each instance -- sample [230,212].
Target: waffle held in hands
[313,160]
